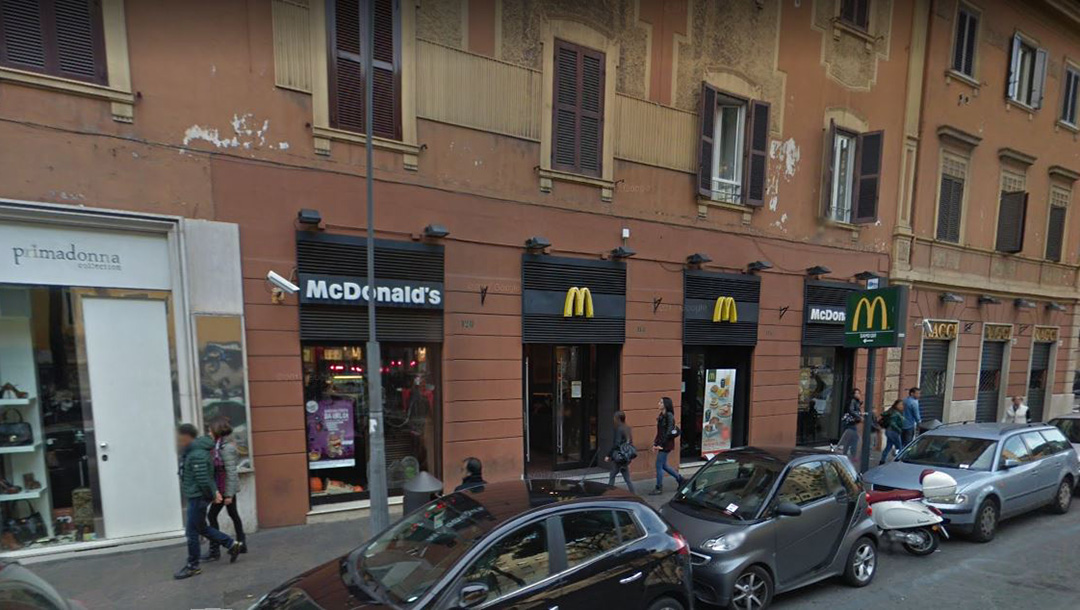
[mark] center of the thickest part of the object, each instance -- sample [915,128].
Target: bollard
[420,490]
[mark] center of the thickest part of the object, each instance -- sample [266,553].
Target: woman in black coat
[617,454]
[664,444]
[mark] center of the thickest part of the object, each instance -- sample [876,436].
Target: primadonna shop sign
[342,290]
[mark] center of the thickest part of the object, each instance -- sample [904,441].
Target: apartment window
[734,148]
[951,197]
[1068,102]
[853,175]
[1055,229]
[855,12]
[348,21]
[965,43]
[1027,73]
[63,38]
[1012,213]
[578,121]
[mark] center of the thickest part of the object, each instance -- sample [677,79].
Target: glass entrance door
[561,407]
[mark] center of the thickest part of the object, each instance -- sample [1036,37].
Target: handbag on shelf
[15,433]
[26,529]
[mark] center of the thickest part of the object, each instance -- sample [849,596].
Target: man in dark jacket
[473,469]
[198,488]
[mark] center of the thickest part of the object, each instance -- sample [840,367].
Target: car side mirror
[472,594]
[1011,463]
[788,509]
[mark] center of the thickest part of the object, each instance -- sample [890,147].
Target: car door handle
[630,579]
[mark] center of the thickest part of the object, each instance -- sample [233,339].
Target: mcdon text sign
[342,290]
[725,310]
[875,318]
[578,303]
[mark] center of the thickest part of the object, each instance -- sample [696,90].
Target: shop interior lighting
[758,266]
[622,252]
[309,217]
[949,297]
[435,231]
[818,270]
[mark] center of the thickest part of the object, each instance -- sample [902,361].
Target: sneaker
[243,547]
[213,554]
[235,550]
[187,572]
[656,492]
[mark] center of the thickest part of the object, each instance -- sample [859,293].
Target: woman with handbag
[849,440]
[226,458]
[622,451]
[664,444]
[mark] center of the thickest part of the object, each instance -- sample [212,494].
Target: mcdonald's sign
[875,318]
[725,310]
[578,303]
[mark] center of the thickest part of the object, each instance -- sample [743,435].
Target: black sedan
[530,544]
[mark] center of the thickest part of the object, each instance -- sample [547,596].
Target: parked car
[761,521]
[21,589]
[1001,470]
[523,544]
[1070,427]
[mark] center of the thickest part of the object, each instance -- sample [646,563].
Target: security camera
[926,326]
[282,283]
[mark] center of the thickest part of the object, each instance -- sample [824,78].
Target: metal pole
[868,409]
[380,510]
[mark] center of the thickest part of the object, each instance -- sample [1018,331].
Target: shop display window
[824,388]
[336,416]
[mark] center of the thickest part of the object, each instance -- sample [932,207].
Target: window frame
[1051,205]
[1011,180]
[787,473]
[1001,450]
[1030,95]
[1071,78]
[854,21]
[971,13]
[949,155]
[395,68]
[725,100]
[556,562]
[851,177]
[579,110]
[50,45]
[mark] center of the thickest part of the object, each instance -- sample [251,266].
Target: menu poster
[719,401]
[331,433]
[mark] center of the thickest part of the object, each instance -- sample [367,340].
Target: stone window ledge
[951,74]
[123,102]
[704,203]
[325,135]
[842,27]
[549,176]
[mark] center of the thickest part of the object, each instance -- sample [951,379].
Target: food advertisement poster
[331,434]
[719,401]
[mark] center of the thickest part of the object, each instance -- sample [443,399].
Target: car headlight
[727,542]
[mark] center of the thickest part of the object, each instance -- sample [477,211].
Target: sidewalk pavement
[141,579]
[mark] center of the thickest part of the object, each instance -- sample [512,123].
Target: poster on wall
[719,401]
[331,432]
[222,385]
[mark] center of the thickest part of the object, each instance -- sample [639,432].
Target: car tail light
[681,547]
[934,510]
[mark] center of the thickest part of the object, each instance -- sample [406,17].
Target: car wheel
[861,563]
[666,603]
[1063,498]
[986,522]
[753,590]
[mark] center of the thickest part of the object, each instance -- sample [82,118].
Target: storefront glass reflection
[824,380]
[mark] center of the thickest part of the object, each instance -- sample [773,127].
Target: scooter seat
[895,495]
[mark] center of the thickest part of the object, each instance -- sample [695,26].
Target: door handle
[104,445]
[630,579]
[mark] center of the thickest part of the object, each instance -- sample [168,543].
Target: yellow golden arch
[578,303]
[725,310]
[871,308]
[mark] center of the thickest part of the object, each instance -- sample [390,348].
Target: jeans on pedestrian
[849,440]
[196,526]
[234,514]
[906,436]
[892,441]
[624,469]
[662,467]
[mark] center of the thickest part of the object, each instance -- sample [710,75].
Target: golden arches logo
[871,309]
[725,310]
[578,303]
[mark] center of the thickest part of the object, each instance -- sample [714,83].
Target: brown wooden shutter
[57,37]
[578,114]
[347,22]
[1011,218]
[757,154]
[705,149]
[1055,233]
[867,177]
[949,208]
[830,150]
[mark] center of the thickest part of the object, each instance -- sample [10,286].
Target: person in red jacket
[664,443]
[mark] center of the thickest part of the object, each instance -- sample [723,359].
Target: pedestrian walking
[622,451]
[198,488]
[666,433]
[912,417]
[226,458]
[472,470]
[1017,412]
[849,439]
[893,423]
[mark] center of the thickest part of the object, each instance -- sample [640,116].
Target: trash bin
[420,490]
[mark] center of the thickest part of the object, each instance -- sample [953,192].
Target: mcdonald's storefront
[720,330]
[573,329]
[826,367]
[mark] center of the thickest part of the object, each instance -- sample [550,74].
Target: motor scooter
[904,515]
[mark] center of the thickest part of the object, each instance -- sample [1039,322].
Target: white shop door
[127,345]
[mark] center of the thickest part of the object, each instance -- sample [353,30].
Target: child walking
[198,488]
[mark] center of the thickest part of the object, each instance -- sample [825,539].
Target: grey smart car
[762,521]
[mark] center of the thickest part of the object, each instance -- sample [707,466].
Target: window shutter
[867,176]
[578,120]
[708,129]
[830,150]
[347,69]
[949,209]
[22,35]
[1011,217]
[58,37]
[969,44]
[1012,88]
[757,154]
[564,123]
[961,40]
[1055,233]
[1038,81]
[347,78]
[386,71]
[591,117]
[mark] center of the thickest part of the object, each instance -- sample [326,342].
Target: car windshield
[732,486]
[950,452]
[1069,427]
[403,563]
